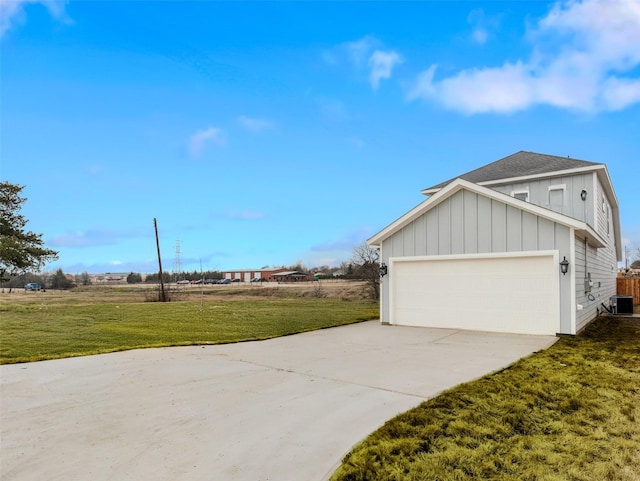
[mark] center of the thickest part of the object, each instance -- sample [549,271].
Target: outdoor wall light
[583,194]
[383,269]
[564,265]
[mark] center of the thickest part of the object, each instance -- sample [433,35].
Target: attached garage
[499,292]
[473,258]
[526,244]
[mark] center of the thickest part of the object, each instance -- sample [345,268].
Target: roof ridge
[520,164]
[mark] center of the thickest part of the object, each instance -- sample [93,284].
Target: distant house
[281,274]
[109,278]
[292,276]
[526,244]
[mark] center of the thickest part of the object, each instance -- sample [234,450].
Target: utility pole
[163,297]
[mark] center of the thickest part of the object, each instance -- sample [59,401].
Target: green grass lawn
[67,326]
[571,412]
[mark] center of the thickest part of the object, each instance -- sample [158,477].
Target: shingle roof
[520,164]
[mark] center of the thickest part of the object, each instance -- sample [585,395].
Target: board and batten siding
[600,263]
[569,203]
[468,223]
[604,225]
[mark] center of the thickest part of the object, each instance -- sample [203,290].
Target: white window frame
[520,192]
[562,187]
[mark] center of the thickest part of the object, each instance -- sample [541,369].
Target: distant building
[267,275]
[109,278]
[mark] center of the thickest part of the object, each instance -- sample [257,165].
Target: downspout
[586,276]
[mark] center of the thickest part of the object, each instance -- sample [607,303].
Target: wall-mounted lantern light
[383,269]
[564,265]
[583,194]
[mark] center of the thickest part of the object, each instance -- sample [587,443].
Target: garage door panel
[502,294]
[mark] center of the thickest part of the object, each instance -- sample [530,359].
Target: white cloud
[253,124]
[479,33]
[359,50]
[618,93]
[482,25]
[198,140]
[582,59]
[366,55]
[12,12]
[381,64]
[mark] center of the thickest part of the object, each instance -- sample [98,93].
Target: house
[527,244]
[281,274]
[293,276]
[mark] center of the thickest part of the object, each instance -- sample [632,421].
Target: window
[521,195]
[556,195]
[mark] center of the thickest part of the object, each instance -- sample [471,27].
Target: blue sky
[266,133]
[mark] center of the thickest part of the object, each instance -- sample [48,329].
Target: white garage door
[515,293]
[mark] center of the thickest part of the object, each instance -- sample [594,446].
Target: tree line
[23,254]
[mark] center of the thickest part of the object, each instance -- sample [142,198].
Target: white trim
[524,178]
[518,192]
[602,174]
[557,188]
[572,288]
[391,298]
[487,255]
[594,188]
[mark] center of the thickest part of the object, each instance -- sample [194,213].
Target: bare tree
[366,260]
[83,279]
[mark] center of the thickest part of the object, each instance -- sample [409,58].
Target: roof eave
[524,178]
[376,239]
[591,235]
[459,184]
[607,185]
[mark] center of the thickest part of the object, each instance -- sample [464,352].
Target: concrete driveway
[282,409]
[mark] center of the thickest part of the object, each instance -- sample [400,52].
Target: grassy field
[48,325]
[571,412]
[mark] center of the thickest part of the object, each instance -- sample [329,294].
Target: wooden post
[163,297]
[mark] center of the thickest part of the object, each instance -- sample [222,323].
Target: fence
[629,286]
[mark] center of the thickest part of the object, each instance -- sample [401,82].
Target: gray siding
[596,212]
[467,223]
[603,213]
[444,227]
[569,203]
[599,263]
